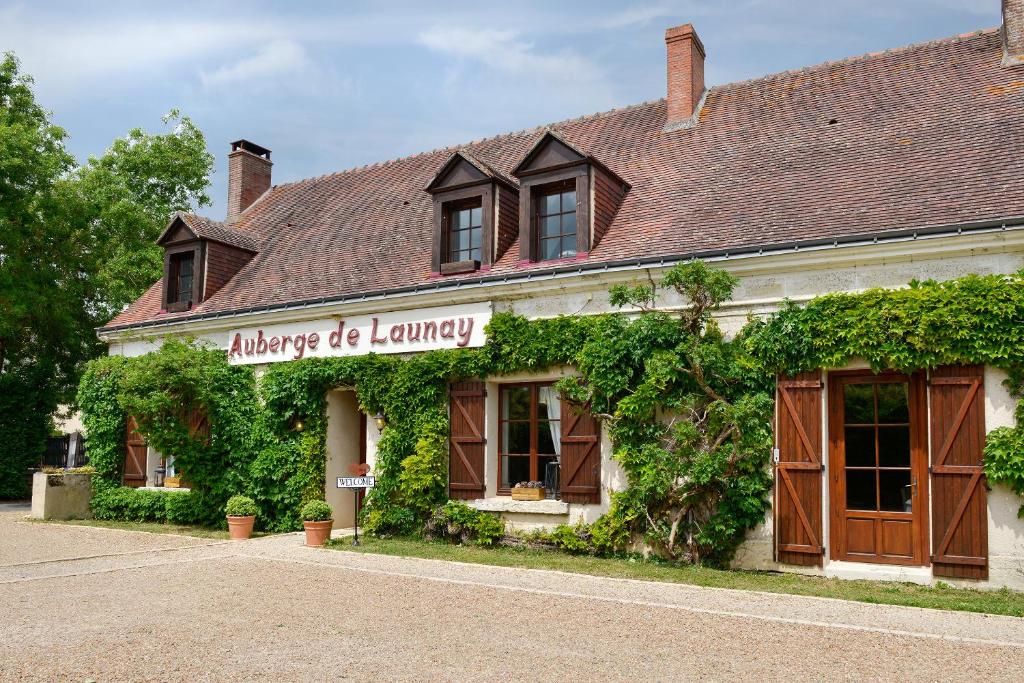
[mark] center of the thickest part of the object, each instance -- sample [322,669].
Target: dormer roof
[463,169]
[183,224]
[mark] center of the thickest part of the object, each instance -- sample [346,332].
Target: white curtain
[549,397]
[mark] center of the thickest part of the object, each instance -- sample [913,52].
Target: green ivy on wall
[638,373]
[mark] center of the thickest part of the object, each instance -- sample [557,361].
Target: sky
[333,85]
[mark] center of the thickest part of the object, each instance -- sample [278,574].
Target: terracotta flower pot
[317,532]
[240,528]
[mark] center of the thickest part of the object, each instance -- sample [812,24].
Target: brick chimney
[248,176]
[686,74]
[1013,32]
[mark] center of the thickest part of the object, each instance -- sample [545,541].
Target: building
[871,171]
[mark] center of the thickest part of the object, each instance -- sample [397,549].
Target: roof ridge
[959,38]
[463,145]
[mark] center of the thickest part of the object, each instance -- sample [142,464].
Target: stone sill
[162,488]
[533,507]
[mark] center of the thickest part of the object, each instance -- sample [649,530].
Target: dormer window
[179,286]
[200,257]
[475,213]
[567,201]
[556,221]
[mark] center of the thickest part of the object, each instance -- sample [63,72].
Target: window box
[460,267]
[528,494]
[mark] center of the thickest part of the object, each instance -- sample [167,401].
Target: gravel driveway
[147,607]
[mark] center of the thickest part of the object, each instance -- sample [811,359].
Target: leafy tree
[76,246]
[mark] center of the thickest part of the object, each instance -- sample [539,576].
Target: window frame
[531,188]
[533,455]
[171,254]
[542,192]
[482,192]
[450,208]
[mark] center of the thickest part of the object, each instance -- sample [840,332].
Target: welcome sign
[425,329]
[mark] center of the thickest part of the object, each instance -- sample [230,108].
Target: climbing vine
[687,409]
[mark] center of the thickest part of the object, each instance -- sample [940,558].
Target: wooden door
[959,506]
[798,466]
[135,456]
[878,464]
[466,440]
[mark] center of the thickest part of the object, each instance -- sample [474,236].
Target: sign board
[424,329]
[356,482]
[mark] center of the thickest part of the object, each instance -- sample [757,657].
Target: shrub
[458,523]
[316,511]
[240,506]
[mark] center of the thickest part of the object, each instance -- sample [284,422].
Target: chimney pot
[1013,32]
[685,73]
[248,176]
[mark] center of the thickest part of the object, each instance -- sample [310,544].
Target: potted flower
[317,519]
[241,513]
[529,490]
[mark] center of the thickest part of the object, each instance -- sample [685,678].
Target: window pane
[516,403]
[859,403]
[569,224]
[894,446]
[462,218]
[569,201]
[476,216]
[860,489]
[549,405]
[860,446]
[473,254]
[475,235]
[550,226]
[568,246]
[461,239]
[894,490]
[515,437]
[549,204]
[893,403]
[547,432]
[185,267]
[550,248]
[514,469]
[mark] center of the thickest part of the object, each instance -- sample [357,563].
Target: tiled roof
[207,228]
[926,135]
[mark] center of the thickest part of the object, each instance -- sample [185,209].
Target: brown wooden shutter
[959,507]
[466,440]
[580,470]
[134,456]
[798,469]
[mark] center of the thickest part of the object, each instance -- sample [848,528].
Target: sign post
[356,483]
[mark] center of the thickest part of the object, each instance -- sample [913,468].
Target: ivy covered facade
[554,330]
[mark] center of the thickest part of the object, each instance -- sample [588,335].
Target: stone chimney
[1013,32]
[248,176]
[685,74]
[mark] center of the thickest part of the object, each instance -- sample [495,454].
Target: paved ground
[135,606]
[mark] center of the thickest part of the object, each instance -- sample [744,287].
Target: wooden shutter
[466,440]
[798,535]
[959,507]
[134,456]
[580,470]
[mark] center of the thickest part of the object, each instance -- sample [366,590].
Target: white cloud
[276,59]
[503,50]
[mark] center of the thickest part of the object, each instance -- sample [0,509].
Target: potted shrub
[241,512]
[317,519]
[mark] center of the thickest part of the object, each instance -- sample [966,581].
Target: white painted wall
[765,281]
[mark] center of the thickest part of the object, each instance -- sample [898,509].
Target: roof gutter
[585,267]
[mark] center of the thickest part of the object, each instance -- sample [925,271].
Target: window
[180,289]
[877,446]
[556,221]
[530,433]
[465,230]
